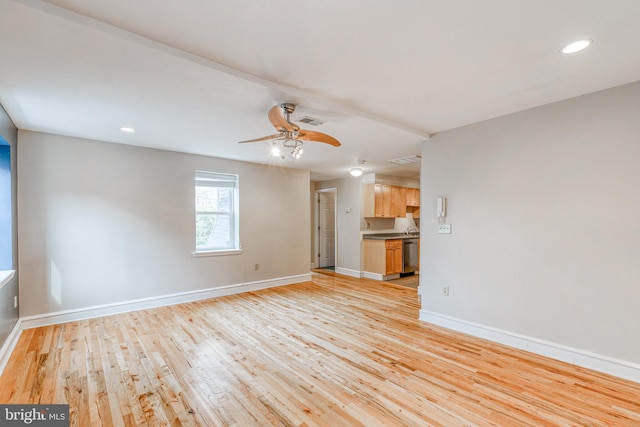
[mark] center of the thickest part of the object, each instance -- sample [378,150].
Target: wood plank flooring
[410,281]
[335,351]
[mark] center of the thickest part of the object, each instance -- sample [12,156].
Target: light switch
[444,228]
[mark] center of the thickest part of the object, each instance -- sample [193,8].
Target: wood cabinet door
[393,256]
[389,201]
[398,259]
[377,210]
[382,201]
[413,197]
[398,202]
[389,261]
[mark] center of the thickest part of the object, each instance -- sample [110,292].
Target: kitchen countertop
[389,236]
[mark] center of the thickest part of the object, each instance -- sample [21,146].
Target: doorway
[326,220]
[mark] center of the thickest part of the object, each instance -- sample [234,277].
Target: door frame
[316,225]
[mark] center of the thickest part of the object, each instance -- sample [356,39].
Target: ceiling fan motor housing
[288,107]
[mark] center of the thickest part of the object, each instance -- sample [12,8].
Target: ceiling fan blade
[309,135]
[264,138]
[279,122]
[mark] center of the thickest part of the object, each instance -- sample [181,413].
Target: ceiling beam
[177,52]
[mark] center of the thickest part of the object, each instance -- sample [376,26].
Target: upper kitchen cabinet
[413,202]
[413,197]
[384,201]
[398,201]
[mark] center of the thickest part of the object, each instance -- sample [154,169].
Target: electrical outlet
[445,291]
[256,267]
[444,228]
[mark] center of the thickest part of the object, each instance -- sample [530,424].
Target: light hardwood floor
[335,351]
[411,281]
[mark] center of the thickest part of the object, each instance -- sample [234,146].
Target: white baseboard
[9,345]
[374,276]
[574,356]
[128,306]
[141,304]
[348,272]
[380,277]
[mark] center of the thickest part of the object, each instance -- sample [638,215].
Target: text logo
[34,415]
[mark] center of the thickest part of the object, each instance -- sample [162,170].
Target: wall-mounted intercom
[441,209]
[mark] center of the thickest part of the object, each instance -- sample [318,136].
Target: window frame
[7,207]
[219,180]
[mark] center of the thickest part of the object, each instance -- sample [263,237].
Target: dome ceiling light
[359,170]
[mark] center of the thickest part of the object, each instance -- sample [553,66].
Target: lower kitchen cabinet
[383,257]
[393,256]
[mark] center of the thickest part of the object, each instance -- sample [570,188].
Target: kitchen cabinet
[383,257]
[413,202]
[375,260]
[398,201]
[413,197]
[393,256]
[382,206]
[384,201]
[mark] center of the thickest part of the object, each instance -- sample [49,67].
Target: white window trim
[6,276]
[236,218]
[221,252]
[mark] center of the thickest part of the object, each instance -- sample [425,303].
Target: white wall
[545,212]
[105,223]
[347,223]
[8,313]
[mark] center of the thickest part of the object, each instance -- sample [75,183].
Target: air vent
[311,121]
[406,160]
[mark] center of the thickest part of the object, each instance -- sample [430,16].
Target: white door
[326,229]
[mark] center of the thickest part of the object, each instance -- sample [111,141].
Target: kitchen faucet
[409,230]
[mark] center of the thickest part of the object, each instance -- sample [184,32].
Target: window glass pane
[6,242]
[204,229]
[216,211]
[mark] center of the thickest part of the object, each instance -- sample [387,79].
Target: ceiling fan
[289,135]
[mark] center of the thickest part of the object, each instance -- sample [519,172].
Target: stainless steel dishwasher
[409,255]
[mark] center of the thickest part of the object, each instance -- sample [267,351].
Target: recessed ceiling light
[576,46]
[127,129]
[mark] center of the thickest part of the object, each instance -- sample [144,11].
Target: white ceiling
[197,76]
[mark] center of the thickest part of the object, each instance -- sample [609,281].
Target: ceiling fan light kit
[275,150]
[290,137]
[294,147]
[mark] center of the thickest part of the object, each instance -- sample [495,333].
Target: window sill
[223,252]
[6,276]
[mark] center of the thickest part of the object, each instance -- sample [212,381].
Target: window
[216,213]
[6,238]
